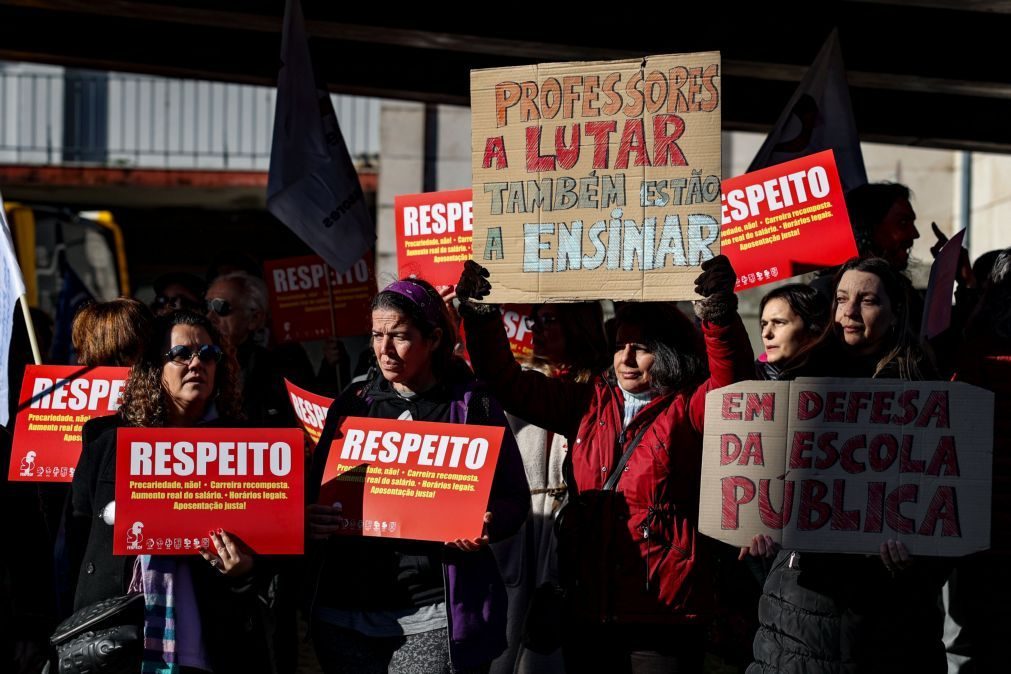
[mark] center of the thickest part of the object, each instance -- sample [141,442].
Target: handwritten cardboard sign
[597,180]
[434,232]
[300,304]
[841,465]
[55,402]
[411,479]
[786,220]
[173,485]
[310,410]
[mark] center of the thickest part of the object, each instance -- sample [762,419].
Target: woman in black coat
[184,379]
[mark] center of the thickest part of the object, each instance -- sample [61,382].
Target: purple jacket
[475,594]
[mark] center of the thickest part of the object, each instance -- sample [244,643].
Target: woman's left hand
[894,556]
[230,556]
[472,544]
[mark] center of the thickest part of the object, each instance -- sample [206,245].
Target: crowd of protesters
[591,558]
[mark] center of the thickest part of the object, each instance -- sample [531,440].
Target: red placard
[173,485]
[299,301]
[434,235]
[310,409]
[55,402]
[411,479]
[518,321]
[786,220]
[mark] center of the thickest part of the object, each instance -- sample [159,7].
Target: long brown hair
[143,402]
[902,350]
[112,333]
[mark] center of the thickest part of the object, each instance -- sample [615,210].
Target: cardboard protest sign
[300,302]
[310,409]
[786,220]
[434,232]
[411,479]
[173,485]
[597,180]
[937,305]
[841,465]
[55,402]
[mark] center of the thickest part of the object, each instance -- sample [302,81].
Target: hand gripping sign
[411,479]
[55,402]
[174,485]
[841,465]
[310,409]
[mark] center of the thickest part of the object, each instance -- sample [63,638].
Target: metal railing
[49,116]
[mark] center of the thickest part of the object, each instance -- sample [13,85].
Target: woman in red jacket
[635,566]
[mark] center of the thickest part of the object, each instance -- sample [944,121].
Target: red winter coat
[637,556]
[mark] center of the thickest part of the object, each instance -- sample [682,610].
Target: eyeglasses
[177,302]
[182,354]
[221,307]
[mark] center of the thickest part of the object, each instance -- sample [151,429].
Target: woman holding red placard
[381,605]
[199,615]
[637,573]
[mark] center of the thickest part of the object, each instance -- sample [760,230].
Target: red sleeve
[731,360]
[553,404]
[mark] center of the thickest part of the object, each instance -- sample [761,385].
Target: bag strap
[619,468]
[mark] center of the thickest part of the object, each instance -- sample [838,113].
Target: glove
[716,285]
[473,286]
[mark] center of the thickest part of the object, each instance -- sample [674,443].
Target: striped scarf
[155,577]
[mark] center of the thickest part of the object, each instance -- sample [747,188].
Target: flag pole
[333,321]
[30,326]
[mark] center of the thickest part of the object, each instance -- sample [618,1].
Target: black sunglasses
[220,307]
[177,302]
[182,354]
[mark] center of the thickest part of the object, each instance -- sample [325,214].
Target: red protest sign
[300,303]
[411,479]
[434,235]
[518,321]
[310,409]
[173,485]
[785,220]
[937,305]
[55,402]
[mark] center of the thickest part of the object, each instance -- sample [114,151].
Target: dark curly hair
[143,402]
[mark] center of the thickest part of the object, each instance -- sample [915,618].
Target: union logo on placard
[27,467]
[135,536]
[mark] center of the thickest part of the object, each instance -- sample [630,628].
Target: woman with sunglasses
[412,606]
[183,379]
[637,572]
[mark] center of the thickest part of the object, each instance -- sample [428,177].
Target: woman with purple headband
[413,606]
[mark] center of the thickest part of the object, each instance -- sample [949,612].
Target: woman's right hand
[322,521]
[761,546]
[473,286]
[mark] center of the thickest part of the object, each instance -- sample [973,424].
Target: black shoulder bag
[547,613]
[106,637]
